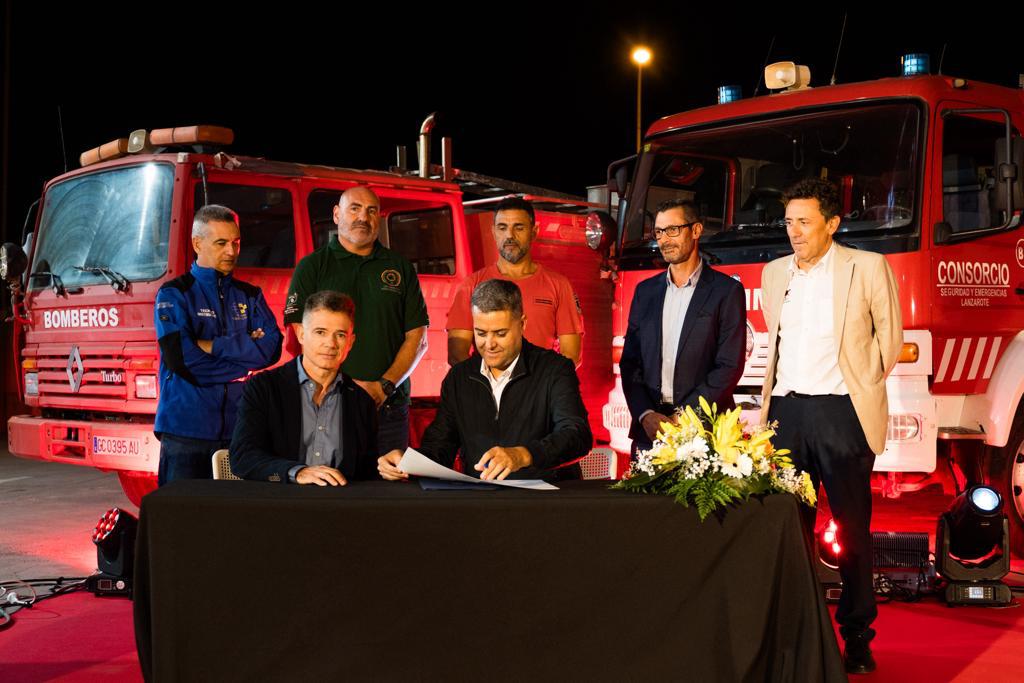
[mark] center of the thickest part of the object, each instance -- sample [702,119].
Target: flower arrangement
[712,460]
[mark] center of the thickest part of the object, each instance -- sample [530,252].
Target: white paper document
[414,462]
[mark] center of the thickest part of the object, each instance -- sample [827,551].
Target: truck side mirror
[13,262]
[622,179]
[617,178]
[1009,170]
[600,230]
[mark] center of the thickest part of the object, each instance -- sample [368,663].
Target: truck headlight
[903,428]
[145,386]
[31,383]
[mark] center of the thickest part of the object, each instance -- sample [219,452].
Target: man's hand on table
[387,465]
[321,475]
[499,462]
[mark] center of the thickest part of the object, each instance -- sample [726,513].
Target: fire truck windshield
[737,173]
[110,222]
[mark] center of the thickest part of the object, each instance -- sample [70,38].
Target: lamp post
[641,57]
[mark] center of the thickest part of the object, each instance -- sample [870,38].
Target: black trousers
[827,441]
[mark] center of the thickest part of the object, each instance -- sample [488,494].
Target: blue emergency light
[916,63]
[730,93]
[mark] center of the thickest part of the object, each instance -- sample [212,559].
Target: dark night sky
[531,93]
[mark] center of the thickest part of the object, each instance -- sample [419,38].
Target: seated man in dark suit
[305,422]
[686,336]
[513,409]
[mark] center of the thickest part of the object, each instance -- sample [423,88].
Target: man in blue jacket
[213,330]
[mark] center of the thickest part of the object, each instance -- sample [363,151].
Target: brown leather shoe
[857,656]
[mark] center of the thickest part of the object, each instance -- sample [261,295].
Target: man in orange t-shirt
[550,307]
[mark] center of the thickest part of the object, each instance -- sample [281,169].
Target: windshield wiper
[58,285]
[117,281]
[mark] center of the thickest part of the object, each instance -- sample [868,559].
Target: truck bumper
[105,445]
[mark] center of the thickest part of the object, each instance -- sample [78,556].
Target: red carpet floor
[79,638]
[75,638]
[927,641]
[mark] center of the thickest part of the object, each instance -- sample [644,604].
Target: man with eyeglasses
[686,336]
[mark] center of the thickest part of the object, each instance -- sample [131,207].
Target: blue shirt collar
[304,376]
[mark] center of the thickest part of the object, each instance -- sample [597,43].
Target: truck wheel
[136,484]
[1006,475]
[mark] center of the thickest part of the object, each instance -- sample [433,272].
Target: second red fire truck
[929,173]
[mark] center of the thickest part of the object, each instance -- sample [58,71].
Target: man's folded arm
[178,347]
[243,349]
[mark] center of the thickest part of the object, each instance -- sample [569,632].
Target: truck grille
[68,373]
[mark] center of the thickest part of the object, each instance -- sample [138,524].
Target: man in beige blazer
[834,333]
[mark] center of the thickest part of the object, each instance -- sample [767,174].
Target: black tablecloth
[383,581]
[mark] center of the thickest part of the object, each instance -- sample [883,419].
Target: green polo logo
[391,278]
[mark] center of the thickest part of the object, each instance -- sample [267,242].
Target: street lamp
[641,57]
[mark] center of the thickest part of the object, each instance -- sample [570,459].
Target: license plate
[114,445]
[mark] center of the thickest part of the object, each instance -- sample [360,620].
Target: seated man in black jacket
[305,422]
[513,409]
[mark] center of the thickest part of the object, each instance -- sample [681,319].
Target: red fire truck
[928,168]
[110,233]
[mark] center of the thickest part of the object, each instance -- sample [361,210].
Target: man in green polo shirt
[391,315]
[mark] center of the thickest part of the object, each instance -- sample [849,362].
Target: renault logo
[76,370]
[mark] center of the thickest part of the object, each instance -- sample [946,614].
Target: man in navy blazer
[306,422]
[687,330]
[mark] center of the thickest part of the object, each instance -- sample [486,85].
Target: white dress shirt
[498,383]
[677,301]
[808,349]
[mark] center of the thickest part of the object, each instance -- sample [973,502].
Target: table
[238,580]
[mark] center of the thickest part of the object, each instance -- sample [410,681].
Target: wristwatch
[387,386]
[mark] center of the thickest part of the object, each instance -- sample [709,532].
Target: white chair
[222,466]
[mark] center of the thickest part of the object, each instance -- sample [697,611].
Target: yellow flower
[705,407]
[810,493]
[689,421]
[729,454]
[663,454]
[728,432]
[668,430]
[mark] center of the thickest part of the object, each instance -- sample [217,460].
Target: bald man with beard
[391,315]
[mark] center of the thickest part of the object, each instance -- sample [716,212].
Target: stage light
[114,537]
[829,547]
[972,548]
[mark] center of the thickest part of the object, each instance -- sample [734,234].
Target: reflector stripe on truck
[981,350]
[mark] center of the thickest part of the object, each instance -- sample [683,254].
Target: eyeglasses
[672,230]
